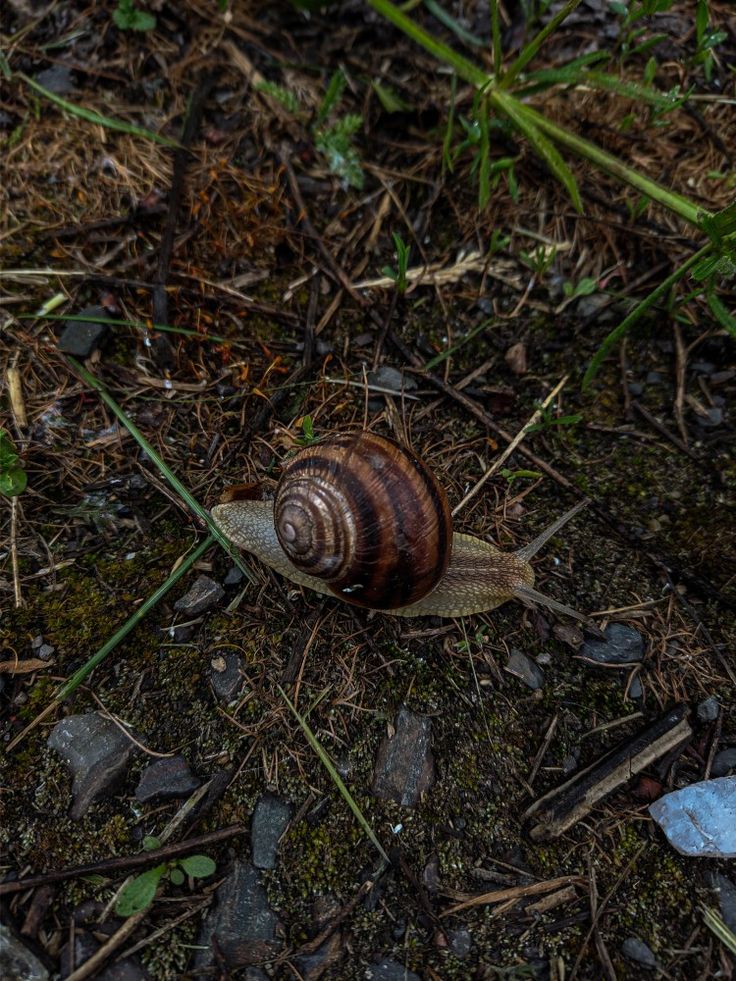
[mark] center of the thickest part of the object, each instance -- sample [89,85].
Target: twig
[123,863]
[514,893]
[497,463]
[600,946]
[680,366]
[543,749]
[661,428]
[14,550]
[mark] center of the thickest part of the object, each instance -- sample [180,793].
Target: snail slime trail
[360,517]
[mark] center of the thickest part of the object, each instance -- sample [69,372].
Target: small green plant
[706,38]
[307,437]
[549,420]
[512,475]
[13,478]
[129,18]
[332,136]
[540,260]
[139,893]
[402,264]
[583,287]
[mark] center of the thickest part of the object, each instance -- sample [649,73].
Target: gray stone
[203,594]
[623,645]
[708,710]
[391,379]
[166,779]
[57,79]
[226,675]
[45,651]
[233,577]
[404,765]
[17,962]
[700,820]
[636,689]
[713,417]
[269,821]
[636,950]
[461,942]
[523,667]
[723,762]
[97,752]
[388,970]
[241,920]
[80,337]
[726,892]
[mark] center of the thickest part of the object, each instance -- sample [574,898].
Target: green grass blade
[496,37]
[465,68]
[718,308]
[716,925]
[136,324]
[452,25]
[616,168]
[520,116]
[165,471]
[639,310]
[529,50]
[335,777]
[95,117]
[132,622]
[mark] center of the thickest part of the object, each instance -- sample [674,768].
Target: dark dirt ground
[270,268]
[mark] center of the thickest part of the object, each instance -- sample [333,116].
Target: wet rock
[391,379]
[81,337]
[636,950]
[712,418]
[242,922]
[636,689]
[636,389]
[404,765]
[723,762]
[388,970]
[17,962]
[700,820]
[57,79]
[226,675]
[523,667]
[708,710]
[203,594]
[460,941]
[623,645]
[233,577]
[269,821]
[166,779]
[726,892]
[97,752]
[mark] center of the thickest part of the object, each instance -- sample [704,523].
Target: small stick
[15,391]
[661,428]
[14,550]
[123,862]
[90,966]
[499,461]
[543,749]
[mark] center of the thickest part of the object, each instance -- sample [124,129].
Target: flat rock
[726,892]
[636,950]
[269,821]
[524,668]
[81,337]
[708,710]
[388,970]
[700,820]
[17,962]
[166,779]
[226,675]
[241,920]
[404,765]
[723,762]
[57,79]
[623,645]
[97,752]
[202,595]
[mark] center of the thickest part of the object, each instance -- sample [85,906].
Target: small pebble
[724,762]
[708,710]
[203,594]
[636,950]
[527,670]
[623,645]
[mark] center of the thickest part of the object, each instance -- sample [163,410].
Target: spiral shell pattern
[368,517]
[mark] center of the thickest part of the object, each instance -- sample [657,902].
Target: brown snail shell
[366,516]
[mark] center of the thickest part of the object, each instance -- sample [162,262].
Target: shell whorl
[366,516]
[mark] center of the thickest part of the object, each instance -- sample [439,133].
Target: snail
[360,517]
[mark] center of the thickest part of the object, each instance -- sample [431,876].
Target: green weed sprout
[13,478]
[129,18]
[139,893]
[398,275]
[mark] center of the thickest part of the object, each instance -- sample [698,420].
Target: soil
[253,249]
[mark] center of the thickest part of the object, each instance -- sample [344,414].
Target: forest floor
[264,244]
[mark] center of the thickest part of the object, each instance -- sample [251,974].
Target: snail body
[364,519]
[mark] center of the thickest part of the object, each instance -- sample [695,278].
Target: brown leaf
[23,667]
